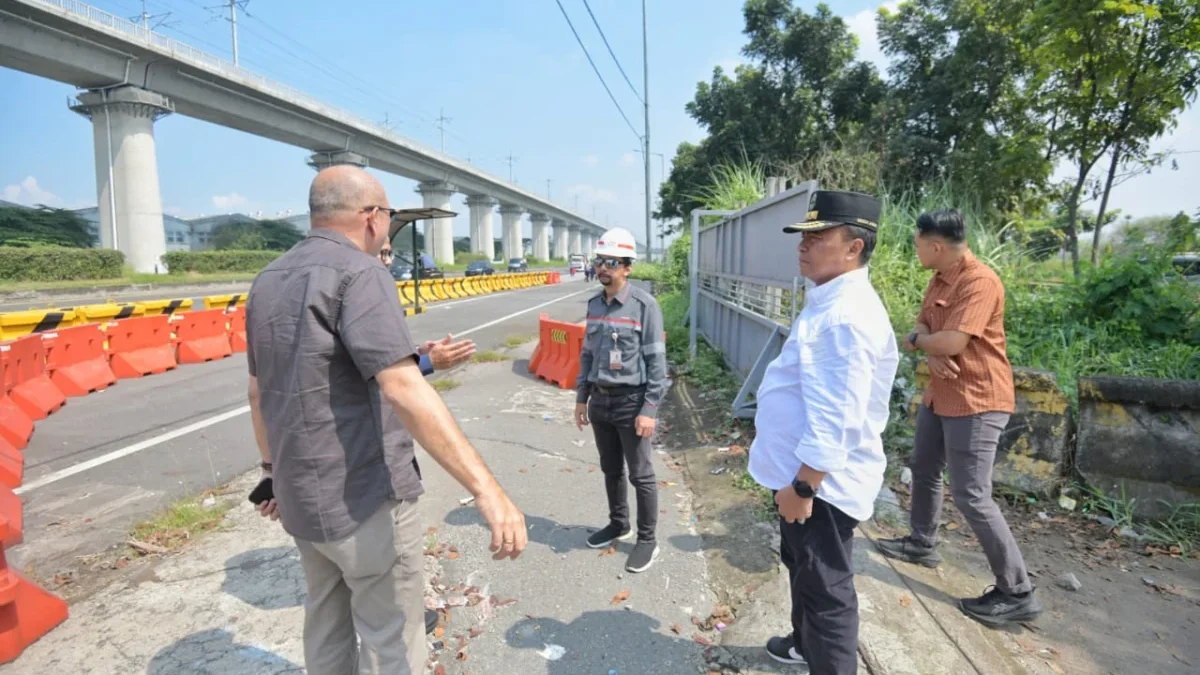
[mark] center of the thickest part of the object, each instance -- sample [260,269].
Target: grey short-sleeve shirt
[321,322]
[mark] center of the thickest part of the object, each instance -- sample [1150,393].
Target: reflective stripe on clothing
[631,324]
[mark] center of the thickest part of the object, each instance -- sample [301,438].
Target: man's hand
[268,509]
[644,426]
[445,354]
[509,535]
[792,506]
[581,416]
[907,344]
[943,367]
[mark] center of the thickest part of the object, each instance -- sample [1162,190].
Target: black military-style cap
[833,208]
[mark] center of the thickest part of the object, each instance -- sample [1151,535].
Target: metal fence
[746,286]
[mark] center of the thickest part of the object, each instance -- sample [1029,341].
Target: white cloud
[629,159]
[863,25]
[591,160]
[29,193]
[230,201]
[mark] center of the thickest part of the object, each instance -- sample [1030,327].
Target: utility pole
[233,7]
[146,17]
[646,135]
[510,159]
[441,120]
[548,181]
[576,204]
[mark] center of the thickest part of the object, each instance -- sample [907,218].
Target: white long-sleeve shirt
[823,401]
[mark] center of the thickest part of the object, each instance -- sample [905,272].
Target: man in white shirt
[822,408]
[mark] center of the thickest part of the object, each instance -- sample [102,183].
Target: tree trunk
[1073,215]
[1112,172]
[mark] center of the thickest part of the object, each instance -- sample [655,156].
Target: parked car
[402,268]
[480,268]
[518,265]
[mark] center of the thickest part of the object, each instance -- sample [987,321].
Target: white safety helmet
[617,243]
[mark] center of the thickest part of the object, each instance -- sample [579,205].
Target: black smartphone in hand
[263,492]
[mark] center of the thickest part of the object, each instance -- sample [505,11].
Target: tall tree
[1157,56]
[270,235]
[43,226]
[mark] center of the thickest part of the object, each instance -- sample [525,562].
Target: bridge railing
[98,18]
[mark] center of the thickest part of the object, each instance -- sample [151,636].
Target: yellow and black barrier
[224,301]
[168,307]
[109,311]
[17,324]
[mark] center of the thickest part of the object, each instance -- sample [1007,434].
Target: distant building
[186,235]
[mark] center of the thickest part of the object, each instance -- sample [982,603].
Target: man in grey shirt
[336,397]
[622,382]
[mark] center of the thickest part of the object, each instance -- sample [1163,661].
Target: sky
[508,75]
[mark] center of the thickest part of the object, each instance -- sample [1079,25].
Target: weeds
[514,341]
[182,521]
[1119,509]
[490,356]
[446,384]
[1181,529]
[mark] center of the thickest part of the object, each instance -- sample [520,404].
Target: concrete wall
[1143,435]
[1034,451]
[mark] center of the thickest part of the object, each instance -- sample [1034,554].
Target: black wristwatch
[912,339]
[266,466]
[803,489]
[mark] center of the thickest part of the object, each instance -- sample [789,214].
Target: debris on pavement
[553,652]
[621,597]
[1069,581]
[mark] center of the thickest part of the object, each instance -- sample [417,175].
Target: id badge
[614,355]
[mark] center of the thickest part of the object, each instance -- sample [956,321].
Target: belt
[619,390]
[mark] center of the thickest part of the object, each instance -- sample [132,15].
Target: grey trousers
[370,584]
[967,445]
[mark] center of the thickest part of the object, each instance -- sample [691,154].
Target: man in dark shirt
[336,398]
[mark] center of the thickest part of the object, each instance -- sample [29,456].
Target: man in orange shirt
[965,409]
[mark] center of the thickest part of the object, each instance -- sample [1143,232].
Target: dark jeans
[612,419]
[818,557]
[967,445]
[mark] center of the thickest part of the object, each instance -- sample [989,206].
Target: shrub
[464,258]
[51,263]
[211,262]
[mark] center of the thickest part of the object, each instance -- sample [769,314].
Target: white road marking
[129,450]
[217,419]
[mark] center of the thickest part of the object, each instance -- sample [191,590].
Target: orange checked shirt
[969,298]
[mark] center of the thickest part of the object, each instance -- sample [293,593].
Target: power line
[596,70]
[610,50]
[441,125]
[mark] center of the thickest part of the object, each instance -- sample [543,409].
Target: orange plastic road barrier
[15,426]
[237,329]
[27,612]
[12,465]
[76,360]
[141,346]
[556,358]
[203,336]
[25,378]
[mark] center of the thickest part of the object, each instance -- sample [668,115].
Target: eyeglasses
[611,263]
[385,255]
[394,225]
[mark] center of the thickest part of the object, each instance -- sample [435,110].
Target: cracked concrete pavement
[232,602]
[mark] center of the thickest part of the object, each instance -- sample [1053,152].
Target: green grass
[128,279]
[490,356]
[182,521]
[446,384]
[514,341]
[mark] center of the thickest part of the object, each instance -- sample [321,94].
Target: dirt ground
[1137,609]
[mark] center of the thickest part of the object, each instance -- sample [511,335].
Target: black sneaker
[431,619]
[996,608]
[643,556]
[611,532]
[908,550]
[783,650]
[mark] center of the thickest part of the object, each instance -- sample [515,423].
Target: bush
[212,262]
[464,258]
[51,263]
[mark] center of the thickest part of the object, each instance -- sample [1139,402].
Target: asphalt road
[111,459]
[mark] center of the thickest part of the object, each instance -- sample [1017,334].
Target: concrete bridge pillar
[439,232]
[588,244]
[560,239]
[482,240]
[574,240]
[510,221]
[127,190]
[541,235]
[323,160]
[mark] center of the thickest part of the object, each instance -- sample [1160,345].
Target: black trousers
[612,419]
[818,557]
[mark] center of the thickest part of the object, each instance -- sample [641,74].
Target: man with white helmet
[622,382]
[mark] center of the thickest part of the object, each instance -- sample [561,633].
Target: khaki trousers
[369,584]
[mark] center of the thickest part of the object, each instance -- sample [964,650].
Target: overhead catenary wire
[610,51]
[596,70]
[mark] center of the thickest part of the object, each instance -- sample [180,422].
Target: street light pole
[646,135]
